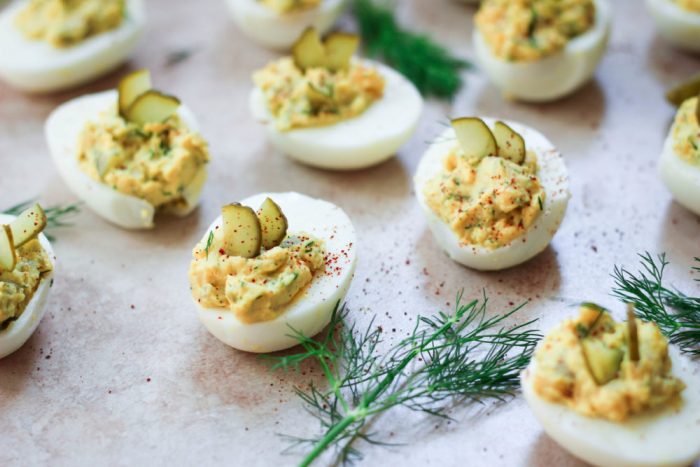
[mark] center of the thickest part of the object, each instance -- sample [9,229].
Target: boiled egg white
[63,128]
[680,177]
[279,31]
[311,310]
[678,26]
[553,177]
[20,330]
[36,66]
[554,76]
[670,437]
[362,141]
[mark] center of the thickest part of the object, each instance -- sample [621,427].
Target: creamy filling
[686,132]
[289,6]
[689,5]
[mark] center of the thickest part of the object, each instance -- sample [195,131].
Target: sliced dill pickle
[697,109]
[340,47]
[684,91]
[308,51]
[8,254]
[152,107]
[474,137]
[28,225]
[273,223]
[603,362]
[132,86]
[242,231]
[510,144]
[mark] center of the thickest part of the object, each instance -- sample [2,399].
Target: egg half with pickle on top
[51,45]
[27,265]
[540,50]
[272,266]
[678,21]
[277,24]
[325,109]
[130,153]
[615,394]
[494,193]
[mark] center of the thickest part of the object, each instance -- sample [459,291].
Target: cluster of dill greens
[431,67]
[55,215]
[465,356]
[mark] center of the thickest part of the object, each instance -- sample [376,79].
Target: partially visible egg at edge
[678,26]
[680,177]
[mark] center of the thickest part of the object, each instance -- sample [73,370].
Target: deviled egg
[257,277]
[50,45]
[130,153]
[27,264]
[540,50]
[328,110]
[678,21]
[615,394]
[679,165]
[277,24]
[493,198]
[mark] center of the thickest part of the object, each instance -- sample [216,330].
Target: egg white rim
[253,7]
[673,169]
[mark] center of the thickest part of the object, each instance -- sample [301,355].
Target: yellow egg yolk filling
[289,6]
[63,23]
[529,30]
[317,96]
[17,286]
[686,132]
[568,358]
[255,289]
[489,201]
[689,5]
[155,162]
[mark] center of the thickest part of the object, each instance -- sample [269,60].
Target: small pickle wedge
[8,254]
[152,107]
[28,225]
[308,51]
[132,86]
[474,137]
[684,91]
[510,144]
[603,362]
[273,222]
[242,231]
[340,47]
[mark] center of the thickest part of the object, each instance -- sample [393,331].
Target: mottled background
[121,372]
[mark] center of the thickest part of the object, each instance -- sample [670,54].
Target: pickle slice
[308,51]
[684,91]
[697,110]
[28,225]
[273,222]
[131,87]
[510,144]
[8,254]
[152,107]
[340,47]
[603,362]
[475,137]
[242,231]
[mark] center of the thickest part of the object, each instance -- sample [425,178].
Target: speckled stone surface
[120,372]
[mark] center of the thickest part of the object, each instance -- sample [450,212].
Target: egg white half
[311,311]
[670,437]
[36,66]
[363,141]
[554,76]
[681,178]
[63,128]
[553,178]
[678,26]
[19,331]
[275,31]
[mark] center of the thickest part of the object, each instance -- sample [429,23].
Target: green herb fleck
[210,239]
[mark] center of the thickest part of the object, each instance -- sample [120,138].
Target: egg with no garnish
[277,24]
[24,266]
[257,278]
[678,21]
[35,65]
[492,198]
[343,113]
[105,144]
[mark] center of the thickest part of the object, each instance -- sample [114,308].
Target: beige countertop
[120,371]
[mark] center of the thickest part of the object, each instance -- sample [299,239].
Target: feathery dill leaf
[55,215]
[676,314]
[430,66]
[447,358]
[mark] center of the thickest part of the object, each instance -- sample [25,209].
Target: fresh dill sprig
[447,358]
[430,66]
[55,215]
[676,314]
